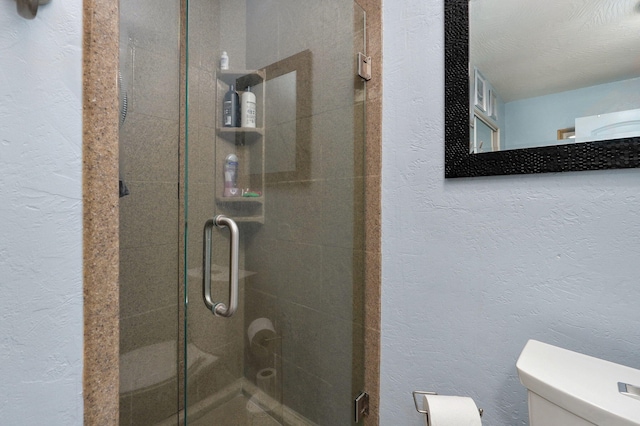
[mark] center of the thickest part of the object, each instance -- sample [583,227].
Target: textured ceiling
[528,48]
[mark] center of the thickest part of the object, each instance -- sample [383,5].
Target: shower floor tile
[236,412]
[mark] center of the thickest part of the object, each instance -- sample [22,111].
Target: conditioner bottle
[248,109]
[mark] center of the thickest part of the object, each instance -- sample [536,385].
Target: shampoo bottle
[231,108]
[224,61]
[231,176]
[248,109]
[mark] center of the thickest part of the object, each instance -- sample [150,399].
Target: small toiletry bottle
[224,61]
[231,108]
[248,109]
[231,176]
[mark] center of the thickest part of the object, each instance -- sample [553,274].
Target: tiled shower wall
[149,216]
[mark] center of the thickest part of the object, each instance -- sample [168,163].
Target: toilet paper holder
[425,412]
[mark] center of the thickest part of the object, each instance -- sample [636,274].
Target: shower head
[122,190]
[123,99]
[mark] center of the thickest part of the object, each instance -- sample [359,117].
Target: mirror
[287,120]
[523,54]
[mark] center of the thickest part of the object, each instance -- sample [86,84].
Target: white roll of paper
[451,411]
[266,380]
[260,329]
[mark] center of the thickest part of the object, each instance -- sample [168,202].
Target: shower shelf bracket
[364,66]
[361,406]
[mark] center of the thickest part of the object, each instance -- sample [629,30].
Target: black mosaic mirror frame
[611,154]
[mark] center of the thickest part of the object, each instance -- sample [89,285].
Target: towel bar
[29,8]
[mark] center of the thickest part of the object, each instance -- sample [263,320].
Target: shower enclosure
[293,350]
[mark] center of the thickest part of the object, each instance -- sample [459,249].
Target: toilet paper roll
[451,411]
[261,337]
[266,380]
[260,329]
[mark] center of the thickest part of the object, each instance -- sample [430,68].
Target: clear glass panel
[149,214]
[293,351]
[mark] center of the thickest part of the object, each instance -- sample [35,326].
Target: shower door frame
[183,190]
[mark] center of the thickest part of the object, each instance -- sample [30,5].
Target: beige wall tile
[155,85]
[149,215]
[149,149]
[148,277]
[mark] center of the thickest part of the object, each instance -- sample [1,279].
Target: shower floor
[235,406]
[238,411]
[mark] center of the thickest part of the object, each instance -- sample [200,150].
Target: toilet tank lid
[581,384]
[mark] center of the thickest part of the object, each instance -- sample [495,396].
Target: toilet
[566,388]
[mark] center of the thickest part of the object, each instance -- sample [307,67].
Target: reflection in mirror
[557,73]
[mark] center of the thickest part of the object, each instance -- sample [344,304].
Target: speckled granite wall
[100,209]
[373,222]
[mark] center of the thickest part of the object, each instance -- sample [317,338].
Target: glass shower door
[149,208]
[290,179]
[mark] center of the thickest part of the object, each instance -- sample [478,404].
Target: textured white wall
[472,268]
[41,215]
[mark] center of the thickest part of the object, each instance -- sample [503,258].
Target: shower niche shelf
[247,143]
[246,132]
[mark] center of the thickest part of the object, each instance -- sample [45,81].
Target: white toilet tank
[570,389]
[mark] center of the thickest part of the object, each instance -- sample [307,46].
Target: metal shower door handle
[219,308]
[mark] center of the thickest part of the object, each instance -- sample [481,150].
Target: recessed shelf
[242,78]
[247,143]
[242,200]
[258,131]
[249,219]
